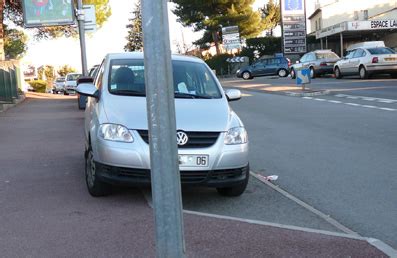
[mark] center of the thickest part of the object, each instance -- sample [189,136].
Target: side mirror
[85,79]
[233,95]
[297,62]
[87,89]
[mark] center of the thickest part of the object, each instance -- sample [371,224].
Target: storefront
[339,36]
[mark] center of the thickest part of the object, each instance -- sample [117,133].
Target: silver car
[320,62]
[366,59]
[70,83]
[212,140]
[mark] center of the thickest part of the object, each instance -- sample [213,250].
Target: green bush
[219,63]
[264,46]
[39,86]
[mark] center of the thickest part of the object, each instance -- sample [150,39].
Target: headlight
[236,135]
[113,132]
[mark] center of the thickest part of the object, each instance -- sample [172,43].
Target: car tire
[95,186]
[338,74]
[293,75]
[363,73]
[246,75]
[235,190]
[282,73]
[312,73]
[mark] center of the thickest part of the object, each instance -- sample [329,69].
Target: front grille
[186,176]
[196,139]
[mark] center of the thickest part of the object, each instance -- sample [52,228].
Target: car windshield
[73,77]
[381,51]
[326,55]
[60,80]
[191,79]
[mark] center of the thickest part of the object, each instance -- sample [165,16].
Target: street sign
[231,37]
[303,77]
[293,21]
[237,59]
[89,18]
[40,13]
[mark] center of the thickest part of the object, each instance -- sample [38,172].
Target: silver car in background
[71,83]
[212,141]
[367,58]
[320,62]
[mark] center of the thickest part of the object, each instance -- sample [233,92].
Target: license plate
[193,160]
[390,59]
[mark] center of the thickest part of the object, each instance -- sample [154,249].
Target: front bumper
[137,177]
[135,158]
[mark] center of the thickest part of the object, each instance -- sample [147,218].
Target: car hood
[210,115]
[70,83]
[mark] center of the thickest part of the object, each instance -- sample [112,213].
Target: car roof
[139,55]
[323,51]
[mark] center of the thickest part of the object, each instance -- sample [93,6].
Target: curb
[307,94]
[5,106]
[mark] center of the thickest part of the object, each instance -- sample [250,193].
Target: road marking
[307,206]
[351,104]
[388,101]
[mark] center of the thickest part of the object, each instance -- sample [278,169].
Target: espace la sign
[372,25]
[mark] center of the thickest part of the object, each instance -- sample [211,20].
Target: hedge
[39,86]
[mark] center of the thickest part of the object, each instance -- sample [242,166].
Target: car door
[344,65]
[259,67]
[354,62]
[310,60]
[271,67]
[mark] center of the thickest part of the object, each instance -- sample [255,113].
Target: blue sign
[303,76]
[293,5]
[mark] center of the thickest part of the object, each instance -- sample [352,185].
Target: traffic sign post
[165,175]
[303,77]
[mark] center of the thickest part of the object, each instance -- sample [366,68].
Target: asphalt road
[337,152]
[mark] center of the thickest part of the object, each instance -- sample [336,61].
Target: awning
[356,26]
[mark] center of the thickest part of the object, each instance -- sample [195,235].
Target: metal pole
[326,42]
[166,185]
[80,19]
[321,43]
[341,44]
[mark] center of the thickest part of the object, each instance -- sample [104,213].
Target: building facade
[336,24]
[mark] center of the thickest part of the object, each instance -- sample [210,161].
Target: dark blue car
[266,66]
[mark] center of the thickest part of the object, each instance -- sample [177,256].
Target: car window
[264,61]
[350,54]
[303,58]
[191,79]
[99,76]
[311,57]
[381,51]
[274,61]
[326,55]
[72,77]
[60,80]
[358,53]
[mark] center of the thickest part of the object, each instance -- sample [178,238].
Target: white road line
[352,104]
[335,101]
[388,109]
[307,206]
[319,99]
[368,106]
[307,97]
[389,101]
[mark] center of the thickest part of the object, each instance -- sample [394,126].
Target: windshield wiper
[128,92]
[190,95]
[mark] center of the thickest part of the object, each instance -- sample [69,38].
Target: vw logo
[181,138]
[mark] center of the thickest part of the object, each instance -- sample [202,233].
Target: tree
[272,14]
[14,43]
[11,11]
[135,36]
[210,15]
[64,70]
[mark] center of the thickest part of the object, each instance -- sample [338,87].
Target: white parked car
[71,83]
[367,58]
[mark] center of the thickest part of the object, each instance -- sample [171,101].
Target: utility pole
[80,20]
[165,175]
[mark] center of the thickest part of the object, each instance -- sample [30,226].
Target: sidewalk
[47,212]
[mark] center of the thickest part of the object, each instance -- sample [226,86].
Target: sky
[108,39]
